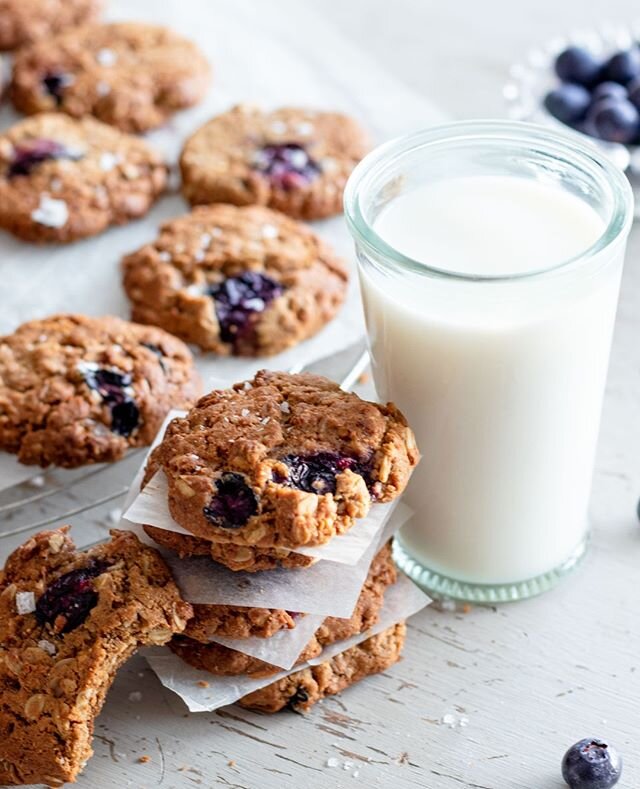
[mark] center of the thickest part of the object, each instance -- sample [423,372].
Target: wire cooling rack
[90,498]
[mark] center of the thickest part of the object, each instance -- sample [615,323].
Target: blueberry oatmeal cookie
[63,179]
[221,660]
[281,461]
[244,281]
[248,558]
[130,75]
[295,160]
[302,689]
[68,621]
[25,21]
[76,390]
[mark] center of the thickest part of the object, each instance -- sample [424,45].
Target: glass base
[440,586]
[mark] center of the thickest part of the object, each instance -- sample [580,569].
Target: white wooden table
[487,699]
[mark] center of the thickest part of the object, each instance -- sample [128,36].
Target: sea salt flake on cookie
[51,212]
[108,160]
[106,57]
[25,603]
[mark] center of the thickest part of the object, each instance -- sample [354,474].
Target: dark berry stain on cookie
[288,165]
[70,597]
[29,154]
[155,349]
[299,697]
[114,389]
[233,504]
[54,83]
[239,300]
[317,473]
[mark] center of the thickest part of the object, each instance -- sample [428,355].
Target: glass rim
[563,145]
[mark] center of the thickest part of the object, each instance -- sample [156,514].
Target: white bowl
[531,80]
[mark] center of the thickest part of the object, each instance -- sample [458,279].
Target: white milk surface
[501,382]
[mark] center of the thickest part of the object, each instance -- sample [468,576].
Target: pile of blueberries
[598,96]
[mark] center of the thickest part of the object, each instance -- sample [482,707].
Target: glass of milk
[490,256]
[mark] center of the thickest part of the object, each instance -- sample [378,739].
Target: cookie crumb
[363,378]
[231,763]
[144,759]
[202,683]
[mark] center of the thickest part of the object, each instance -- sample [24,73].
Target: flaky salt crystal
[50,212]
[25,602]
[47,646]
[106,57]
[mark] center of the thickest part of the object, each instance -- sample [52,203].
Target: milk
[502,381]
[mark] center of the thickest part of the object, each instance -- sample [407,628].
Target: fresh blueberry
[623,67]
[233,504]
[578,65]
[288,165]
[317,473]
[71,597]
[614,120]
[55,82]
[239,299]
[113,386]
[568,102]
[31,153]
[608,90]
[591,764]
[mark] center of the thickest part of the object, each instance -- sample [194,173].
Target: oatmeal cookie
[295,160]
[68,621]
[130,75]
[76,390]
[62,179]
[243,281]
[249,558]
[282,461]
[302,689]
[25,21]
[222,660]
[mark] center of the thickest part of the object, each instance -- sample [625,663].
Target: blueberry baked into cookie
[222,660]
[133,76]
[280,462]
[25,21]
[63,179]
[68,621]
[244,281]
[76,390]
[291,159]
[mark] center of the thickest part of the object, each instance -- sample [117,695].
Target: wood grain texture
[531,678]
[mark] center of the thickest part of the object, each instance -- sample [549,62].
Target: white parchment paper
[326,588]
[402,600]
[282,648]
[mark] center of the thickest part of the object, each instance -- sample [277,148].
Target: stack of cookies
[257,475]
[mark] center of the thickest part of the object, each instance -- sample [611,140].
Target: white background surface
[531,678]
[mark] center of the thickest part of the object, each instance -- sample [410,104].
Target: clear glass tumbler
[500,376]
